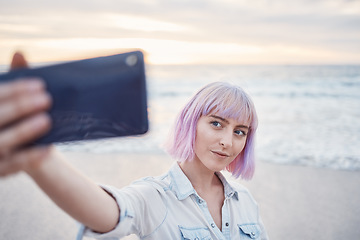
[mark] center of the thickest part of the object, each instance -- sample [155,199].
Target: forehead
[236,109]
[239,121]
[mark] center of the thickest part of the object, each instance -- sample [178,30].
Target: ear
[18,61]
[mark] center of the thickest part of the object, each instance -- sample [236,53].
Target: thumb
[18,61]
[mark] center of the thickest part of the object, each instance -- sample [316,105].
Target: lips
[220,154]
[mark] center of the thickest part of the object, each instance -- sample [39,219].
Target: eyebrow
[226,121]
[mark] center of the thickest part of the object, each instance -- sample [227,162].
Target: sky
[184,31]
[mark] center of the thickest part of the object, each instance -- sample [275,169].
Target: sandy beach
[295,202]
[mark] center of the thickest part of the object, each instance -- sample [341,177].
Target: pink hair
[228,101]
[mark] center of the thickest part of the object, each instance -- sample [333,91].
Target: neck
[202,178]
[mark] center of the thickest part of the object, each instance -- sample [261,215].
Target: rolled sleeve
[142,210]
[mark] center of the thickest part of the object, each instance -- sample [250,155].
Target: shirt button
[227,224]
[200,201]
[252,234]
[212,225]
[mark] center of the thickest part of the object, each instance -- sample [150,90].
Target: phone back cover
[94,98]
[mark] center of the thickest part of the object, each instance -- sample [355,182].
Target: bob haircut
[227,101]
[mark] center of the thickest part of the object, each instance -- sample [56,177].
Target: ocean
[308,115]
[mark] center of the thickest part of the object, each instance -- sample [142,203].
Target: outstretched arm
[76,194]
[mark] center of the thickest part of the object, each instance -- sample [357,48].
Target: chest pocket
[249,231]
[194,233]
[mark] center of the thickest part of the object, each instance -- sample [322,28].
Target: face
[218,141]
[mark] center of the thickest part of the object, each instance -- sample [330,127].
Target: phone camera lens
[131,60]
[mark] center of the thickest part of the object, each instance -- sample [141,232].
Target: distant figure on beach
[193,200]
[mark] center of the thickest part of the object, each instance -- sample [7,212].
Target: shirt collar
[228,189]
[180,184]
[183,188]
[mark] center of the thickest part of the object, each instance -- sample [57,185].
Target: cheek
[201,133]
[200,140]
[240,147]
[203,139]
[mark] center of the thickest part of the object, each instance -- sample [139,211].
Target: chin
[216,167]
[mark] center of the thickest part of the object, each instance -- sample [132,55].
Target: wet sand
[295,202]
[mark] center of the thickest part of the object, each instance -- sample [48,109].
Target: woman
[214,131]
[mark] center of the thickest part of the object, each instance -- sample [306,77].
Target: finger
[22,106]
[18,87]
[25,159]
[24,132]
[18,61]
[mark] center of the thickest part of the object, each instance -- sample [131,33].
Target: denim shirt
[168,207]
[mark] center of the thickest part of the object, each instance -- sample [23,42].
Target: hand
[22,120]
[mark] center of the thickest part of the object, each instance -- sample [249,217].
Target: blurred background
[184,31]
[299,60]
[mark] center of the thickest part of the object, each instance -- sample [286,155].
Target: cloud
[331,26]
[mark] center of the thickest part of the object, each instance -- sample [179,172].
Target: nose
[226,139]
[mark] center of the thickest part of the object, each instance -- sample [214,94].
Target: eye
[216,124]
[240,132]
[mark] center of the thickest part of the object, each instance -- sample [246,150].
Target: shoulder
[242,191]
[244,205]
[150,185]
[238,186]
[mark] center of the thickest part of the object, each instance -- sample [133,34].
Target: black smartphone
[93,98]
